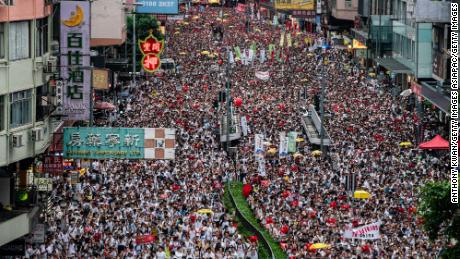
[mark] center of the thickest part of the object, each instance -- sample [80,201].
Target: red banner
[145,239]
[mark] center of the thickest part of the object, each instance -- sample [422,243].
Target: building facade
[26,126]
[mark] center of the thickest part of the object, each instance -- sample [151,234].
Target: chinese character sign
[151,49]
[75,54]
[158,6]
[122,143]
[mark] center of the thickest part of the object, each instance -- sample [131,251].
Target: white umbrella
[406,92]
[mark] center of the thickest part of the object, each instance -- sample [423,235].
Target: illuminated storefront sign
[151,49]
[75,54]
[358,45]
[119,143]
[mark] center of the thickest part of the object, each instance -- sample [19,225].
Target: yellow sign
[101,79]
[75,19]
[294,4]
[358,45]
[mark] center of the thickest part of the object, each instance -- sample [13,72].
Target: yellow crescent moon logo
[75,19]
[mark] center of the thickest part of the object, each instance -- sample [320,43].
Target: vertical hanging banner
[258,145]
[282,39]
[283,147]
[75,54]
[244,125]
[261,167]
[289,40]
[292,136]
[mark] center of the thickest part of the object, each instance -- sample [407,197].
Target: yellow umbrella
[299,140]
[371,74]
[205,52]
[316,153]
[361,194]
[182,53]
[296,155]
[272,151]
[205,211]
[186,23]
[320,246]
[177,32]
[405,144]
[211,55]
[310,54]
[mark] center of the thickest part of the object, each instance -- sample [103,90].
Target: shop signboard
[151,49]
[101,79]
[119,143]
[75,59]
[53,164]
[43,184]
[358,45]
[37,236]
[294,5]
[14,248]
[158,6]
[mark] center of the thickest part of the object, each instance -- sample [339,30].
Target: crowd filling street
[300,201]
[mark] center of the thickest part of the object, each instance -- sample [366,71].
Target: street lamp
[134,39]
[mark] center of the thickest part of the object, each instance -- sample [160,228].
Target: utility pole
[134,50]
[322,103]
[229,119]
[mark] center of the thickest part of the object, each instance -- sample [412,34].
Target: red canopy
[436,143]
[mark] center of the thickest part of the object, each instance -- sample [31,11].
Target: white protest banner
[244,126]
[258,145]
[292,136]
[366,232]
[262,55]
[283,147]
[263,75]
[261,168]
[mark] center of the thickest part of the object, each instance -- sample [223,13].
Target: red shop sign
[53,164]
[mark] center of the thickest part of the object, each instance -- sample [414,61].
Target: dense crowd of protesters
[300,201]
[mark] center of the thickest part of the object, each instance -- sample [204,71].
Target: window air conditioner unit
[6,2]
[50,65]
[37,134]
[17,141]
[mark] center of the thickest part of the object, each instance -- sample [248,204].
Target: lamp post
[324,49]
[134,40]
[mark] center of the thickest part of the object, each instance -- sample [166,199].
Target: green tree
[144,23]
[441,217]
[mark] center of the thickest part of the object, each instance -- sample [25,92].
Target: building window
[19,40]
[41,35]
[2,40]
[21,108]
[348,4]
[2,114]
[41,103]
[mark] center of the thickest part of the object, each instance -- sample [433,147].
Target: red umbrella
[247,188]
[104,106]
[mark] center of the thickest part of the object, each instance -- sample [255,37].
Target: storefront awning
[360,34]
[393,65]
[436,96]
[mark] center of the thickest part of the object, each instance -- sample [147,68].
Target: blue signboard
[158,6]
[103,143]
